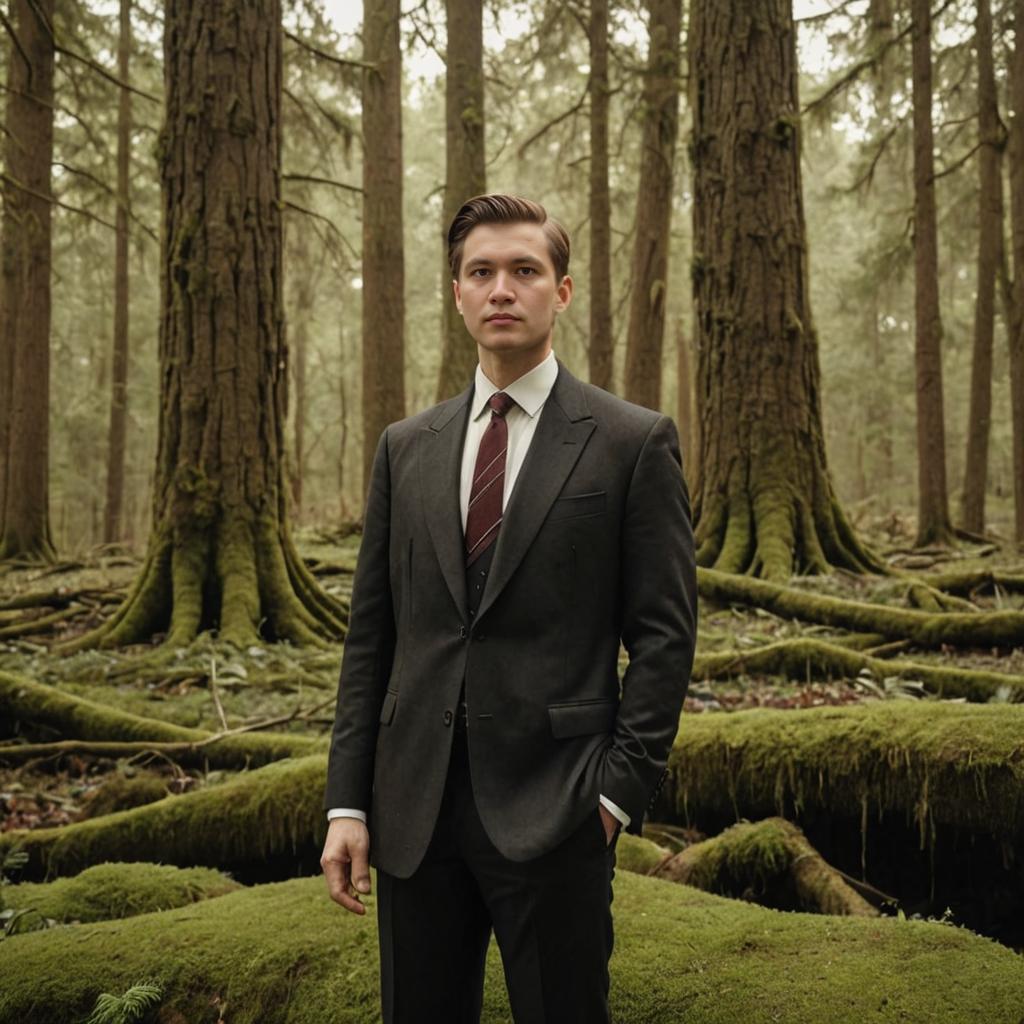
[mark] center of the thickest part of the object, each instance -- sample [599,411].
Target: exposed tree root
[806,659]
[927,762]
[777,531]
[270,810]
[243,578]
[965,584]
[959,629]
[769,862]
[39,624]
[22,700]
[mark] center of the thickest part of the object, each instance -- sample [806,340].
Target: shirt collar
[529,392]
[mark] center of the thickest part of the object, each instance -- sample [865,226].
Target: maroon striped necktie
[483,520]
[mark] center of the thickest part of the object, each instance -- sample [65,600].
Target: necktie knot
[500,403]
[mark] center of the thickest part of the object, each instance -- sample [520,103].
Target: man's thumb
[363,883]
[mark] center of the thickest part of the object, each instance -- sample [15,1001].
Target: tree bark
[383,248]
[1016,329]
[765,503]
[990,256]
[686,415]
[654,205]
[220,555]
[933,524]
[113,526]
[600,349]
[465,174]
[26,260]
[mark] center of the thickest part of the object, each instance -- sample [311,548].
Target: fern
[111,1009]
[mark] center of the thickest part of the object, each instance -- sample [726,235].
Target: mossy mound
[116,890]
[285,952]
[932,762]
[123,792]
[638,854]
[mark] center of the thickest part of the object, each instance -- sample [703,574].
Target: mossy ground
[116,890]
[285,952]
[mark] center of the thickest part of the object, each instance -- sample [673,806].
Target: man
[483,755]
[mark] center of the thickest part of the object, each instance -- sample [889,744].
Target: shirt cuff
[615,811]
[346,812]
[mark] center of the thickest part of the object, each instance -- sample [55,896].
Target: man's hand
[345,862]
[610,822]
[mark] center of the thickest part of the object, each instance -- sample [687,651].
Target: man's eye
[478,272]
[528,271]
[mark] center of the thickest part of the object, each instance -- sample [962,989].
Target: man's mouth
[502,318]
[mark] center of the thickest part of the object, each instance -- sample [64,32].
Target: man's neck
[504,368]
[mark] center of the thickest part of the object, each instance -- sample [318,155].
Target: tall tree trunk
[686,415]
[465,173]
[220,555]
[600,350]
[304,301]
[990,256]
[933,525]
[113,527]
[1016,328]
[765,502]
[654,205]
[26,258]
[383,247]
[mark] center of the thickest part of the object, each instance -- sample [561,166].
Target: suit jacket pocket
[579,718]
[574,506]
[387,710]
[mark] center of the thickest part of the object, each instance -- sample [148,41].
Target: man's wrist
[346,812]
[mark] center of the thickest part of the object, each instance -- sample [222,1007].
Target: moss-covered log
[958,629]
[116,890]
[273,810]
[768,862]
[813,659]
[285,953]
[929,762]
[966,583]
[25,701]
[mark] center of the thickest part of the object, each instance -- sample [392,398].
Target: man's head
[509,264]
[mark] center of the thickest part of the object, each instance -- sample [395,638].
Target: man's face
[507,291]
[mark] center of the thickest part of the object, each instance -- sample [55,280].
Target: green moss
[115,890]
[930,762]
[273,809]
[637,854]
[23,700]
[285,952]
[122,792]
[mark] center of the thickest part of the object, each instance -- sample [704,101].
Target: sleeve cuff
[346,812]
[615,811]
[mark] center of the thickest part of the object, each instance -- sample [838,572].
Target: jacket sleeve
[659,623]
[369,652]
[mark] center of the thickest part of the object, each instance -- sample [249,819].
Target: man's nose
[502,291]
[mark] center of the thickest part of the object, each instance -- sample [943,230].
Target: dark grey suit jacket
[595,545]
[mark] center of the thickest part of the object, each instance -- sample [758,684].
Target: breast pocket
[577,506]
[582,717]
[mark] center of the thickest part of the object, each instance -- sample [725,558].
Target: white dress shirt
[529,392]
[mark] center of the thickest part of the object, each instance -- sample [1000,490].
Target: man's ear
[458,295]
[564,294]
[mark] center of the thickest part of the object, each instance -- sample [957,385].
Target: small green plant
[126,1009]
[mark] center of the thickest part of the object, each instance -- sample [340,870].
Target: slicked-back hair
[505,209]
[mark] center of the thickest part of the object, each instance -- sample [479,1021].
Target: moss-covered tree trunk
[1016,318]
[25,277]
[112,520]
[219,553]
[465,173]
[654,205]
[764,503]
[933,524]
[600,347]
[383,247]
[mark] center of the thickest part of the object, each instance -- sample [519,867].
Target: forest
[797,229]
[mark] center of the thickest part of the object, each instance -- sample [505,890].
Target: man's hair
[504,209]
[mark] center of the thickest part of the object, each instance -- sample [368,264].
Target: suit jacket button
[448,718]
[462,632]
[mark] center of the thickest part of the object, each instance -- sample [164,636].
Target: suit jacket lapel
[440,471]
[564,428]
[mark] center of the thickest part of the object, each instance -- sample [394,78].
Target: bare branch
[54,200]
[322,181]
[565,115]
[103,72]
[323,55]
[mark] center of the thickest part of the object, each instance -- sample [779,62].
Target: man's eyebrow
[482,261]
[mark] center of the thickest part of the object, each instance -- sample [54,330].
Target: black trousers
[551,917]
